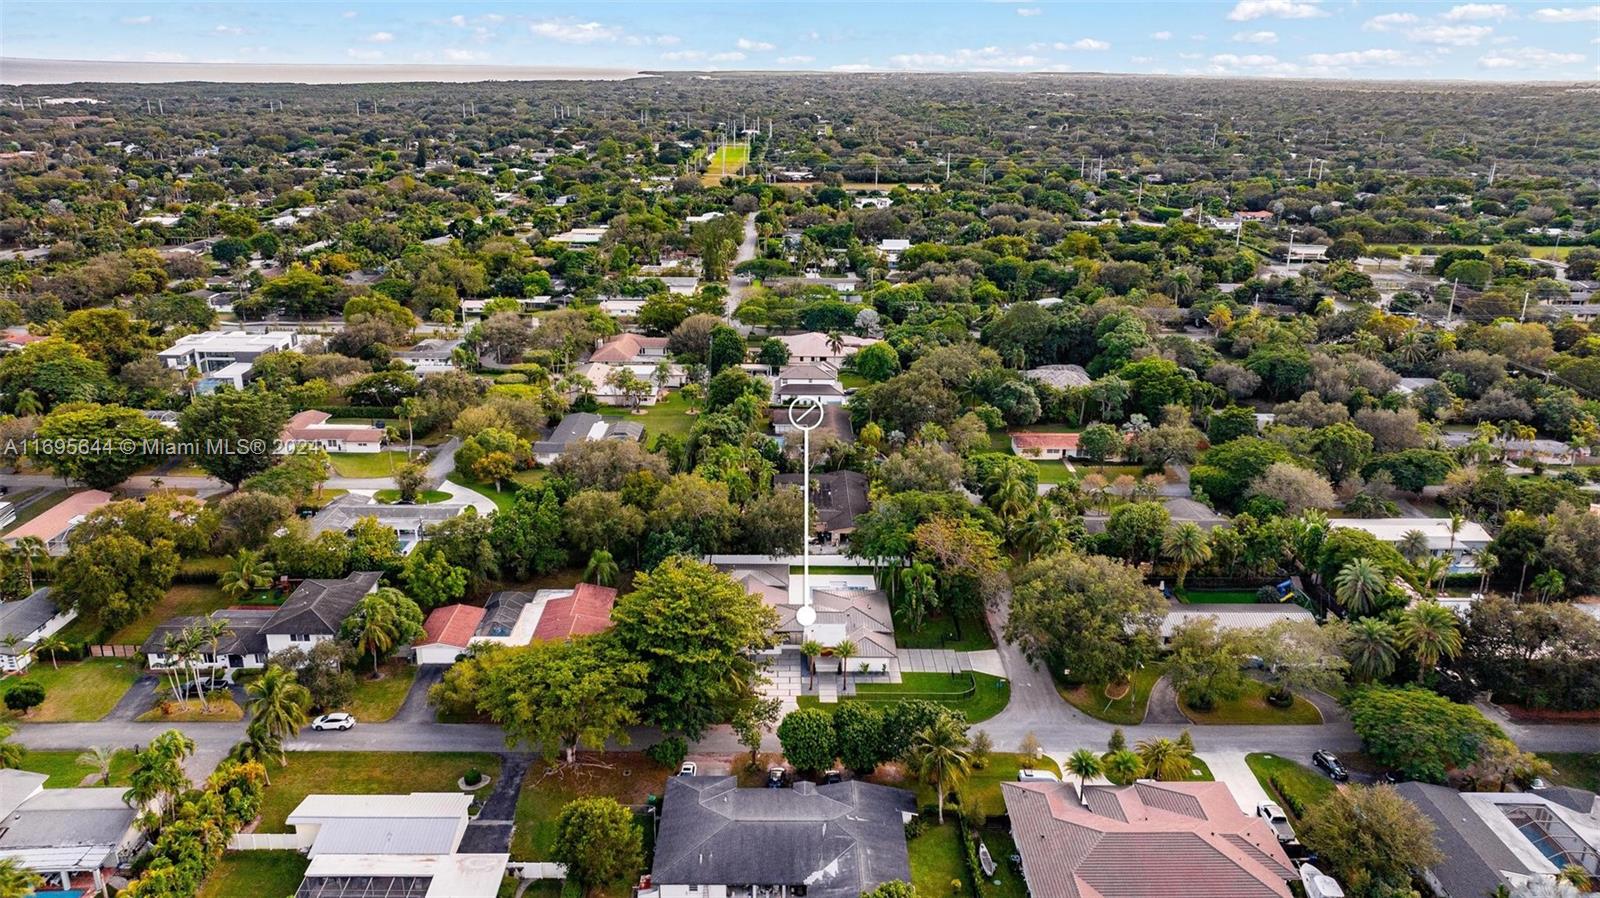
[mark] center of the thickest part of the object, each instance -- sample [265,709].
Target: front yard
[1125,706]
[629,777]
[65,772]
[979,696]
[364,773]
[1252,707]
[378,700]
[1292,784]
[943,631]
[78,690]
[365,464]
[219,708]
[255,874]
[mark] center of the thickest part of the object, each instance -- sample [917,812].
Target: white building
[310,429]
[24,622]
[582,236]
[224,357]
[431,356]
[1441,542]
[813,347]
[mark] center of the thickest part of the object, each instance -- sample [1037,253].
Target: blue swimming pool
[58,894]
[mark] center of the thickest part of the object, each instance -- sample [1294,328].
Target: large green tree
[114,578]
[97,445]
[235,432]
[1421,734]
[808,739]
[1371,839]
[1092,618]
[560,695]
[598,842]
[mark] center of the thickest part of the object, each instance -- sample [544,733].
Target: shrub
[24,696]
[669,752]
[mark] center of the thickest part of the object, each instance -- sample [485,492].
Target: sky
[1553,40]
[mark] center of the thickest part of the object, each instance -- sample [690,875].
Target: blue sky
[1558,39]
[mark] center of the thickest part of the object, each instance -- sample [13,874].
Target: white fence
[271,841]
[537,870]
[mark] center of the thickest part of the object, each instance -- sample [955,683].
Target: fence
[537,870]
[272,841]
[113,651]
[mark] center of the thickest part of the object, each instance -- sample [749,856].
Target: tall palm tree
[1358,585]
[158,777]
[602,568]
[844,651]
[1413,545]
[278,706]
[32,552]
[379,630]
[1486,561]
[1431,571]
[1187,546]
[1431,632]
[100,758]
[920,584]
[247,573]
[812,650]
[1546,586]
[1122,767]
[1370,649]
[50,645]
[258,746]
[941,754]
[17,881]
[1085,765]
[1165,759]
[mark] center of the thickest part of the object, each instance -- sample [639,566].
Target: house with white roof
[1457,548]
[73,837]
[224,357]
[813,347]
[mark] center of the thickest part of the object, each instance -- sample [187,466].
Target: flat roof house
[1232,616]
[1441,543]
[224,357]
[813,347]
[310,429]
[26,621]
[837,841]
[1492,839]
[1147,840]
[56,523]
[431,356]
[580,427]
[74,837]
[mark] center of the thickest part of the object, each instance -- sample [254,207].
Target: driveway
[416,709]
[139,698]
[1229,767]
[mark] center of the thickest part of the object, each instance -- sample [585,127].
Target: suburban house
[431,356]
[26,621]
[310,429]
[514,617]
[421,845]
[581,236]
[818,381]
[1147,840]
[580,427]
[1234,616]
[446,633]
[1494,839]
[630,349]
[1059,376]
[837,499]
[891,248]
[1456,548]
[242,645]
[848,607]
[53,525]
[72,837]
[717,840]
[605,392]
[835,423]
[224,357]
[813,347]
[1047,445]
[409,522]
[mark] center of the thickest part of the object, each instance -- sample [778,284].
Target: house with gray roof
[837,499]
[410,523]
[316,610]
[846,610]
[242,646]
[74,837]
[28,620]
[833,841]
[580,427]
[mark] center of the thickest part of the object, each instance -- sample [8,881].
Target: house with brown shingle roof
[1147,840]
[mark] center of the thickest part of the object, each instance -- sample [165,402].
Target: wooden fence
[113,651]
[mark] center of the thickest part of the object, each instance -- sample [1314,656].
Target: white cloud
[1250,64]
[1161,36]
[1360,58]
[381,37]
[965,58]
[363,54]
[230,30]
[1477,12]
[572,31]
[849,67]
[683,55]
[745,43]
[459,21]
[1246,10]
[1029,11]
[1191,55]
[138,20]
[1568,14]
[1256,37]
[1451,35]
[1388,21]
[1528,58]
[796,60]
[457,55]
[1089,43]
[731,56]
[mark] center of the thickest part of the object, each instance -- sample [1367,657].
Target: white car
[689,768]
[1037,776]
[339,721]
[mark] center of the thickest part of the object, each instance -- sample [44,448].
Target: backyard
[937,863]
[502,498]
[255,874]
[364,773]
[629,777]
[1125,707]
[78,690]
[65,772]
[669,415]
[1217,596]
[182,599]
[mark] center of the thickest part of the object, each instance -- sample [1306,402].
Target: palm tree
[28,404]
[1085,765]
[836,345]
[278,706]
[1165,759]
[602,568]
[1486,561]
[1187,546]
[377,634]
[844,651]
[245,575]
[17,881]
[1358,585]
[1547,586]
[50,645]
[1011,496]
[1413,545]
[1576,876]
[10,752]
[920,585]
[100,758]
[1122,767]
[1431,571]
[940,753]
[1431,632]
[258,746]
[158,776]
[1370,649]
[812,650]
[32,552]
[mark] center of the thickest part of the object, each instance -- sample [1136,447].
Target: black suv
[1331,766]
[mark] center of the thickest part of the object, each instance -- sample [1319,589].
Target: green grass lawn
[990,695]
[255,874]
[1217,596]
[629,777]
[1003,767]
[426,497]
[65,772]
[725,162]
[669,415]
[1055,472]
[365,464]
[1251,707]
[1127,709]
[1574,769]
[937,862]
[181,600]
[961,634]
[852,381]
[378,700]
[501,498]
[1305,785]
[364,773]
[80,690]
[1199,772]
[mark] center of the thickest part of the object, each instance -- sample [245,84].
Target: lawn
[1126,709]
[1252,707]
[961,634]
[426,497]
[78,691]
[1055,471]
[365,464]
[937,862]
[852,381]
[1301,786]
[502,499]
[181,600]
[628,777]
[220,708]
[65,772]
[378,700]
[1002,768]
[255,874]
[990,694]
[725,162]
[1006,882]
[364,773]
[669,415]
[1575,769]
[1217,596]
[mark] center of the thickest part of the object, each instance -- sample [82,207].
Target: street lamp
[805,415]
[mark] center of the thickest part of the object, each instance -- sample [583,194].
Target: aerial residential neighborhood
[689,450]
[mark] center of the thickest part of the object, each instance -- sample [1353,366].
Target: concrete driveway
[1229,767]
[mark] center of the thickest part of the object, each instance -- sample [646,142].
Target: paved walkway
[987,661]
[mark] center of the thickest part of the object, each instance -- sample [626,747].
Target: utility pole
[1450,309]
[1492,167]
[1523,318]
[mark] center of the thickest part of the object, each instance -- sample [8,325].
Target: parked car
[777,777]
[1331,766]
[1277,819]
[833,776]
[338,721]
[1037,776]
[689,768]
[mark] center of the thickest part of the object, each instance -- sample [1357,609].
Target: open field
[725,162]
[365,464]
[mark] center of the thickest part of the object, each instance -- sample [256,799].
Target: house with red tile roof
[1147,840]
[446,633]
[56,523]
[311,429]
[1044,445]
[627,349]
[583,612]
